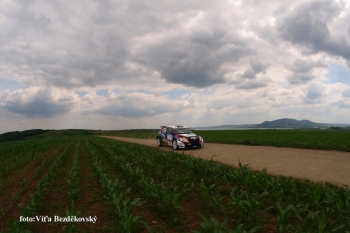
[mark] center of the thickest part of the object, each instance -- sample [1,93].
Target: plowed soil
[314,165]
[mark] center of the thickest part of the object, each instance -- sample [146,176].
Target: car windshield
[182,130]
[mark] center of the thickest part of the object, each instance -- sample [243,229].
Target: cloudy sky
[123,64]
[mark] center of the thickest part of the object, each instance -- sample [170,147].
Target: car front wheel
[159,143]
[175,146]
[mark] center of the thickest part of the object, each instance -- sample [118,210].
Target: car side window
[169,130]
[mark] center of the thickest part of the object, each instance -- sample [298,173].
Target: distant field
[135,133]
[16,135]
[307,139]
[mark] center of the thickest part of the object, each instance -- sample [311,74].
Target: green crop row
[115,194]
[73,190]
[150,190]
[10,149]
[241,193]
[36,201]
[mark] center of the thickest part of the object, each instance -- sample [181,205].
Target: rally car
[179,137]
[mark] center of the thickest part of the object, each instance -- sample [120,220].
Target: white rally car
[179,137]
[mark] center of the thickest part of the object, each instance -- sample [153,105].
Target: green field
[309,139]
[135,188]
[330,139]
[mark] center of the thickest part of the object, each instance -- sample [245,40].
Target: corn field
[124,187]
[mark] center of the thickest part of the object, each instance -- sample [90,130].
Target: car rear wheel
[159,142]
[175,146]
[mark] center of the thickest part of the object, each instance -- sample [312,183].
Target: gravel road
[314,165]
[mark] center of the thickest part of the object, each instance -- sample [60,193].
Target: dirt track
[314,165]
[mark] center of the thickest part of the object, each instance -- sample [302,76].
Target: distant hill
[279,123]
[218,127]
[290,123]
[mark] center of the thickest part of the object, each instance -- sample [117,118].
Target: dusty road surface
[314,165]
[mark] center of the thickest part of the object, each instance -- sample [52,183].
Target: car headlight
[183,140]
[200,138]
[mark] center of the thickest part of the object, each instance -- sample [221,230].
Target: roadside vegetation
[135,188]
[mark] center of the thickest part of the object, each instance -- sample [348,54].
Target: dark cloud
[315,91]
[253,84]
[346,93]
[219,104]
[300,78]
[94,44]
[190,63]
[259,67]
[37,108]
[49,43]
[251,78]
[197,73]
[127,111]
[212,39]
[34,102]
[342,104]
[302,70]
[134,105]
[308,25]
[249,73]
[116,43]
[84,65]
[254,69]
[304,66]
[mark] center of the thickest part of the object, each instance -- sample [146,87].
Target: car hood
[188,135]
